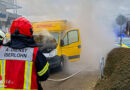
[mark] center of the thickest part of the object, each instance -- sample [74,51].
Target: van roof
[59,25]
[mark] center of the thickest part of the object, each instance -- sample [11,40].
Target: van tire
[65,62]
[61,65]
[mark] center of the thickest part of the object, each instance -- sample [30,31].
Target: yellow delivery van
[67,45]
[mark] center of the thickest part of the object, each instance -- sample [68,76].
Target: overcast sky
[49,9]
[63,9]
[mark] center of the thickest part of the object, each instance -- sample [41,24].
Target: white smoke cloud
[94,18]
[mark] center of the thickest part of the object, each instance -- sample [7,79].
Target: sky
[49,9]
[64,9]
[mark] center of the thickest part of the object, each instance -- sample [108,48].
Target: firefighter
[23,66]
[2,36]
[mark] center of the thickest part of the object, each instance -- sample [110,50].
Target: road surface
[85,80]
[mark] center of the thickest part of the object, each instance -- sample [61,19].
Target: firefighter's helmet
[22,26]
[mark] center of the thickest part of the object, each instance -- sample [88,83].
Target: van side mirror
[62,43]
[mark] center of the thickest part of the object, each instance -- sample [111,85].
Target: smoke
[94,18]
[96,29]
[45,40]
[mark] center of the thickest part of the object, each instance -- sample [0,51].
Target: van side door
[72,45]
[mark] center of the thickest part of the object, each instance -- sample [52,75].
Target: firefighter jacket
[22,65]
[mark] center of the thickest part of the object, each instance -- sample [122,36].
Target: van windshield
[55,35]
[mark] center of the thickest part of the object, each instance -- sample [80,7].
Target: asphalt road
[85,80]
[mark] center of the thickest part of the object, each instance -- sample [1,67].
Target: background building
[8,12]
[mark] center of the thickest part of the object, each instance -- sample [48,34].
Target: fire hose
[59,80]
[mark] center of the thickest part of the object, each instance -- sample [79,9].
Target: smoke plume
[94,18]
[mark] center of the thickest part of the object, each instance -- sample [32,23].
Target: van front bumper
[54,61]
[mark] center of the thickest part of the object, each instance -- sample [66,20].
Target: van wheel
[61,66]
[65,63]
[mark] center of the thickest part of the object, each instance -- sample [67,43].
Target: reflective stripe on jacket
[18,72]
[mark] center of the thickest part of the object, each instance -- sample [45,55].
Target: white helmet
[2,35]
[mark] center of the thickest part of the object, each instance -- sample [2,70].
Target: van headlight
[51,54]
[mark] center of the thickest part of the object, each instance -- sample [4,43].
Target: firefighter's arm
[42,66]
